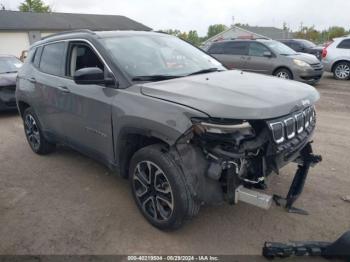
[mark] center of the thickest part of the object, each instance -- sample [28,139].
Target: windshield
[307,43]
[279,48]
[9,65]
[158,55]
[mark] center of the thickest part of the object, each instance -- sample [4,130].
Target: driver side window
[256,49]
[81,56]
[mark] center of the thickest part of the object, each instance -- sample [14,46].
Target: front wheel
[342,71]
[159,188]
[283,73]
[34,134]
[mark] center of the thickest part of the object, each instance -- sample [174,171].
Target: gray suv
[181,127]
[268,57]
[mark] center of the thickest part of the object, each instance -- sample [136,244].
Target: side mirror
[89,76]
[267,54]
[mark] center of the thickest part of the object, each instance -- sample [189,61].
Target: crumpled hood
[235,94]
[8,79]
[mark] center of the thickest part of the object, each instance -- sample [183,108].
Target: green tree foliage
[310,33]
[191,36]
[34,6]
[215,29]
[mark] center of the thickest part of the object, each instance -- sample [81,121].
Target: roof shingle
[15,20]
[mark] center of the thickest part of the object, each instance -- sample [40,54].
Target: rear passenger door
[344,46]
[258,61]
[235,55]
[48,79]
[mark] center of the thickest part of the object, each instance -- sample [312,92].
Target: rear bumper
[7,99]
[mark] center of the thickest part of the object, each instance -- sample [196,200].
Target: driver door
[88,110]
[258,61]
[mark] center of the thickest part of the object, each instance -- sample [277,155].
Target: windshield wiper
[204,71]
[154,78]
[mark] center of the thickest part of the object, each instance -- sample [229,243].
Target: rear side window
[236,48]
[36,57]
[216,49]
[345,44]
[52,59]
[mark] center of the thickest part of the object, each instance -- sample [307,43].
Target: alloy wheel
[283,75]
[32,131]
[342,71]
[153,191]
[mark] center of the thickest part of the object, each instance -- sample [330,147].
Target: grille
[292,125]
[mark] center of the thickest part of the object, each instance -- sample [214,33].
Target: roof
[267,31]
[88,34]
[15,20]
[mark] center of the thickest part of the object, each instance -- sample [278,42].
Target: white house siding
[13,43]
[47,33]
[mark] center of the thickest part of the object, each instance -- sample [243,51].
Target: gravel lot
[65,203]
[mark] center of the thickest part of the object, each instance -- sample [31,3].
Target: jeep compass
[182,128]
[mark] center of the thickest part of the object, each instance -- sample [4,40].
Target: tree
[336,31]
[215,29]
[34,6]
[193,38]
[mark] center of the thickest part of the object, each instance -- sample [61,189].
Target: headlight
[300,63]
[205,127]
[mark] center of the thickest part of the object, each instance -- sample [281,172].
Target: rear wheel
[159,188]
[283,73]
[342,71]
[34,135]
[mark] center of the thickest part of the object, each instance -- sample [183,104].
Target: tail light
[324,51]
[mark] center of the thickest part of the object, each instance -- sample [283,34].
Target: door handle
[32,80]
[64,89]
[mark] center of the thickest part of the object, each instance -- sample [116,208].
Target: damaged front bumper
[237,162]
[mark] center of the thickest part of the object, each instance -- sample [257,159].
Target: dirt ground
[65,203]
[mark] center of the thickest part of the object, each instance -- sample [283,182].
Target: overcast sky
[199,14]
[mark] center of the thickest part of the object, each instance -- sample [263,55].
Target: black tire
[284,73]
[179,205]
[341,71]
[34,135]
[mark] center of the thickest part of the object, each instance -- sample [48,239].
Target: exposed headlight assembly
[301,63]
[214,128]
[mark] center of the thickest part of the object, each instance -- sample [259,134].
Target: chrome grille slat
[292,125]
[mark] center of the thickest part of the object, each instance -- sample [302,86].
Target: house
[18,30]
[249,32]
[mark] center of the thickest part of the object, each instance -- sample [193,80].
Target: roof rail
[70,32]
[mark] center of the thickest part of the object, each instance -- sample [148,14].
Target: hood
[308,58]
[8,79]
[235,94]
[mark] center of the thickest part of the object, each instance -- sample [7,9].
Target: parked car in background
[23,56]
[185,130]
[304,46]
[336,58]
[9,66]
[268,57]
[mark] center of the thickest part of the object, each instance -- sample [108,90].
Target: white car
[336,58]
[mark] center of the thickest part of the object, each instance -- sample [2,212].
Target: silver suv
[268,57]
[336,58]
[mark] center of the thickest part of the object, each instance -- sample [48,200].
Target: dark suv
[304,46]
[9,66]
[182,128]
